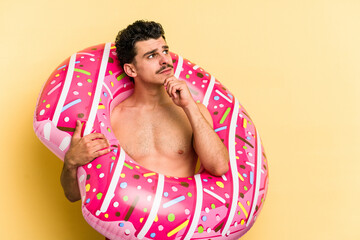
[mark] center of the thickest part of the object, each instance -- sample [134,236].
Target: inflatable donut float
[123,200]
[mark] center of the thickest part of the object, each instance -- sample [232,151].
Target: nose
[164,59]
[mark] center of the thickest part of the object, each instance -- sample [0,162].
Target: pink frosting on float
[123,200]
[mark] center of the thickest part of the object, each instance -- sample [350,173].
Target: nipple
[180,151]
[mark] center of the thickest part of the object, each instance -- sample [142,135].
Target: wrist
[191,107]
[69,163]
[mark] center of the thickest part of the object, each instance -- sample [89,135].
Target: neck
[149,95]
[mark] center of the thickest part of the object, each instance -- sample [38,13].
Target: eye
[151,56]
[166,51]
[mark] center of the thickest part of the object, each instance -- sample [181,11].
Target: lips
[165,69]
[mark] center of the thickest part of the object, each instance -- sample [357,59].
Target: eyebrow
[166,47]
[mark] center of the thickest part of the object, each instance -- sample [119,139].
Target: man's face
[153,63]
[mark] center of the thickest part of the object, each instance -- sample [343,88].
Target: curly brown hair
[138,31]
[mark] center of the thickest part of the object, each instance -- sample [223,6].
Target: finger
[77,132]
[168,88]
[96,145]
[101,152]
[176,89]
[101,144]
[173,84]
[169,81]
[93,136]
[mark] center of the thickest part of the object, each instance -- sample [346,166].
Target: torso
[159,139]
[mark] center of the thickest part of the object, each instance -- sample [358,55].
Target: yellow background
[294,65]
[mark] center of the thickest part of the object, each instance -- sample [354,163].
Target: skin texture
[160,125]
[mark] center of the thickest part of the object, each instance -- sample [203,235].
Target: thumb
[77,132]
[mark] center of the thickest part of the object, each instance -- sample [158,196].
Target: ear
[130,70]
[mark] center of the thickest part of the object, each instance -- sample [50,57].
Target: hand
[178,91]
[85,149]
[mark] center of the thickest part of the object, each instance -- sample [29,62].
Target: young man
[160,125]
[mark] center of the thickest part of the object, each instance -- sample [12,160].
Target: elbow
[221,170]
[222,167]
[72,198]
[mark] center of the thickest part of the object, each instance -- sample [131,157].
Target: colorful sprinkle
[69,105]
[243,209]
[121,76]
[244,123]
[171,217]
[149,174]
[225,115]
[220,128]
[173,202]
[82,71]
[128,166]
[220,184]
[99,196]
[178,228]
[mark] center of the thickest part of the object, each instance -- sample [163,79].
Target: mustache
[164,67]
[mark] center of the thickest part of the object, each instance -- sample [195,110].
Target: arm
[210,149]
[212,152]
[82,151]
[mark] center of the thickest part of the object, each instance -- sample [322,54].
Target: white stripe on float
[198,206]
[179,67]
[65,90]
[83,53]
[224,178]
[209,91]
[233,167]
[225,97]
[53,89]
[215,195]
[99,84]
[195,67]
[155,208]
[47,131]
[65,143]
[258,178]
[250,164]
[114,182]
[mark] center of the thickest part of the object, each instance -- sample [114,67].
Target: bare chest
[145,135]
